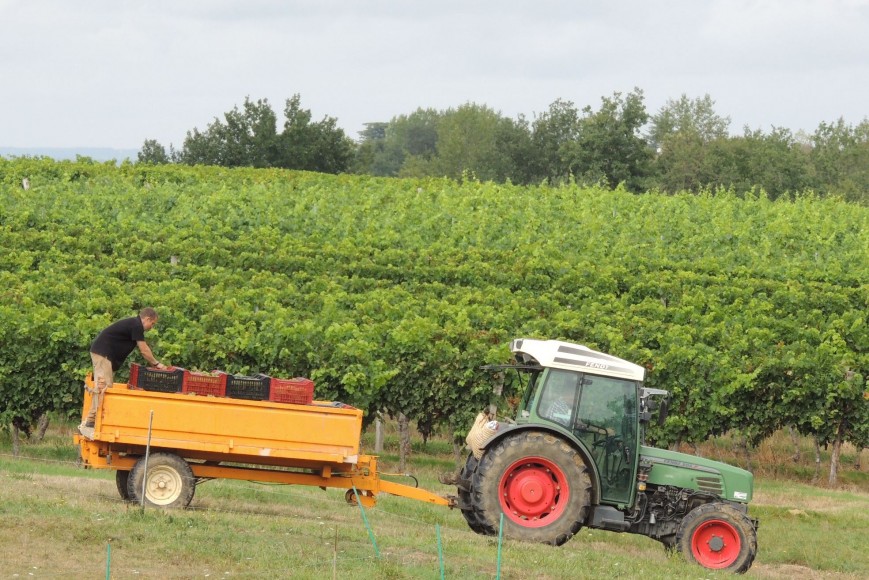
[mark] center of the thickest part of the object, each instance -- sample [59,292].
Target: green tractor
[574,457]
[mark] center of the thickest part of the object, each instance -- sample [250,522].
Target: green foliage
[391,293]
[554,134]
[152,152]
[609,148]
[249,138]
[840,158]
[694,117]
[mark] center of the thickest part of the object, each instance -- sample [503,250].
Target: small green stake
[108,561]
[365,519]
[500,537]
[440,549]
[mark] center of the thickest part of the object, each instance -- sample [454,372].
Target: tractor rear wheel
[168,483]
[718,536]
[538,482]
[468,510]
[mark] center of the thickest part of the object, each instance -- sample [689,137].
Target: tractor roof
[566,355]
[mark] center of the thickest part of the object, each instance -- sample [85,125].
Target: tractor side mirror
[662,414]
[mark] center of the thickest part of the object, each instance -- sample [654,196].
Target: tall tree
[408,145]
[681,133]
[371,144]
[468,141]
[774,162]
[522,159]
[840,158]
[314,146]
[687,116]
[554,135]
[609,146]
[243,138]
[152,152]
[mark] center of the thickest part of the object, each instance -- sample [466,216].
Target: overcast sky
[115,73]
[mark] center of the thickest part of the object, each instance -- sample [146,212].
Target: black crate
[161,381]
[254,388]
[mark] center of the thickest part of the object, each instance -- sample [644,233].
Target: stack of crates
[259,387]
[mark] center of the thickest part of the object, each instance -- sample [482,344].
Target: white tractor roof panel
[566,355]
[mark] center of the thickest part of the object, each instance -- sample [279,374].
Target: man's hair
[148,312]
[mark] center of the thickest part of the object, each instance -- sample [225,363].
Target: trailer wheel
[170,481]
[468,509]
[121,479]
[540,484]
[718,536]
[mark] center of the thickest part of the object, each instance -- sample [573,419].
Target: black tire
[170,484]
[468,510]
[121,479]
[538,482]
[719,537]
[669,543]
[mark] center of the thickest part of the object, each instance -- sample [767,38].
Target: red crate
[213,383]
[160,380]
[299,391]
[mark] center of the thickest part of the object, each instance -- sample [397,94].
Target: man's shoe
[87,432]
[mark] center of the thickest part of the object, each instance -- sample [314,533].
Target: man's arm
[149,356]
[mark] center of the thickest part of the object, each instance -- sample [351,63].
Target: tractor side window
[558,399]
[530,391]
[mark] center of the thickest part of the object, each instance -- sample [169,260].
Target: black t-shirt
[118,340]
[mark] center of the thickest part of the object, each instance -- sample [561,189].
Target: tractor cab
[593,397]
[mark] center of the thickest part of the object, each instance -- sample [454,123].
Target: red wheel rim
[715,544]
[533,492]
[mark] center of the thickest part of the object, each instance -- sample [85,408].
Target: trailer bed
[237,429]
[219,437]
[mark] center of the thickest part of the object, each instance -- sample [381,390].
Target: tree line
[685,146]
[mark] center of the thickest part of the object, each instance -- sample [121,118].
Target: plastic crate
[213,383]
[162,381]
[299,391]
[254,388]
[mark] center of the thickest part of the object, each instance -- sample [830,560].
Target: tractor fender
[506,430]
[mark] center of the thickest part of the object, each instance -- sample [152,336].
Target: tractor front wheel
[718,536]
[167,480]
[538,482]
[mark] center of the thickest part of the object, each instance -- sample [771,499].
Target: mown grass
[60,520]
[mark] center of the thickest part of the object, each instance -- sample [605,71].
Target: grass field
[60,521]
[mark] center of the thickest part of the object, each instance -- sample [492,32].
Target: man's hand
[160,366]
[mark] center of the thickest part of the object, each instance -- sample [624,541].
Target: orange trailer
[191,438]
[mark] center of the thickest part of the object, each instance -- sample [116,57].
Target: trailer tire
[538,482]
[170,481]
[121,480]
[719,537]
